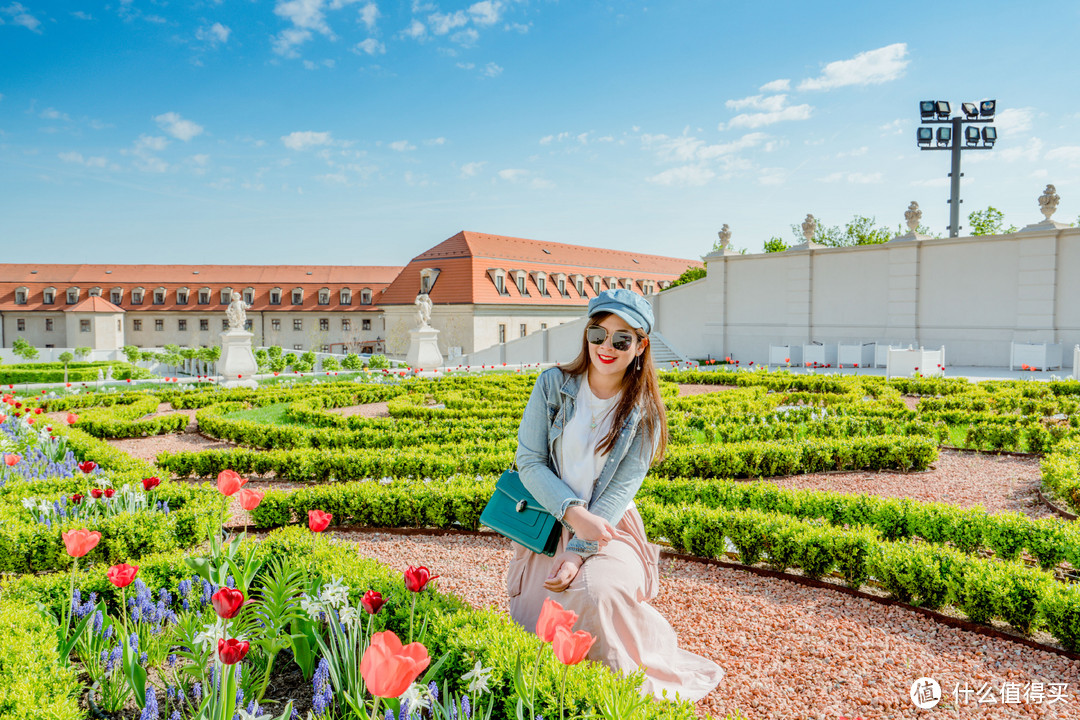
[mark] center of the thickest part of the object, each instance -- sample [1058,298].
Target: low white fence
[1076,362]
[852,355]
[1035,356]
[906,363]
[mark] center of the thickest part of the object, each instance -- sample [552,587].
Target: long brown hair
[639,388]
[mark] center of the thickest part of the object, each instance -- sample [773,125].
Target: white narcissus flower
[417,696]
[336,594]
[478,678]
[348,615]
[29,503]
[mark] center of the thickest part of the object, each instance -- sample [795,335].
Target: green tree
[83,352]
[691,274]
[352,361]
[131,353]
[775,244]
[330,364]
[860,230]
[65,357]
[24,349]
[990,221]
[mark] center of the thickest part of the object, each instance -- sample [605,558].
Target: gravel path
[788,651]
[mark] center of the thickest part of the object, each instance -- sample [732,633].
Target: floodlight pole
[955,175]
[957,143]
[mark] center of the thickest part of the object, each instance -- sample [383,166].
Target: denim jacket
[549,410]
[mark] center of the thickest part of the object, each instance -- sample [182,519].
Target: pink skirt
[610,595]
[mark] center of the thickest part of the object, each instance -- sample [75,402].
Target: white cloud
[685,176]
[867,68]
[485,12]
[78,159]
[782,85]
[177,126]
[857,152]
[312,65]
[435,141]
[469,170]
[307,17]
[287,39]
[465,38]
[466,66]
[1014,120]
[896,127]
[756,120]
[518,27]
[402,146]
[548,139]
[19,16]
[81,15]
[151,143]
[772,176]
[442,23]
[201,159]
[145,147]
[416,30]
[686,149]
[519,177]
[491,70]
[301,140]
[853,177]
[772,103]
[214,35]
[513,175]
[53,114]
[369,14]
[371,46]
[1030,151]
[1069,154]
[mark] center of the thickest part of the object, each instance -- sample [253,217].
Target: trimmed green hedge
[1061,473]
[77,372]
[34,684]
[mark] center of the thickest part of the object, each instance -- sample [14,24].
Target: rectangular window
[20,325]
[365,324]
[502,333]
[159,324]
[204,324]
[248,324]
[159,297]
[136,325]
[562,287]
[346,298]
[524,330]
[521,285]
[580,287]
[226,296]
[84,326]
[204,297]
[181,298]
[136,298]
[541,285]
[596,286]
[324,298]
[297,324]
[297,297]
[365,297]
[72,297]
[499,284]
[543,326]
[20,297]
[48,297]
[346,324]
[275,324]
[249,297]
[116,297]
[181,325]
[324,323]
[275,297]
[48,324]
[225,324]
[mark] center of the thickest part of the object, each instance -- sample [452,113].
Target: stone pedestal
[424,349]
[237,364]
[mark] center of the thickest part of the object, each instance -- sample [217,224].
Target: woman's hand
[564,569]
[588,526]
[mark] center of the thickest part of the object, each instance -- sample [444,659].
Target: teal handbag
[514,513]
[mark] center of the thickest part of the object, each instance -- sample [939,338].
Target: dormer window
[275,296]
[137,296]
[298,296]
[48,296]
[541,284]
[612,283]
[72,295]
[628,283]
[579,283]
[20,295]
[596,285]
[365,296]
[249,295]
[324,296]
[428,276]
[182,296]
[204,296]
[345,296]
[226,296]
[94,292]
[159,296]
[498,278]
[116,296]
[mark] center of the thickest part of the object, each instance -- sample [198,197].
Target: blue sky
[366,131]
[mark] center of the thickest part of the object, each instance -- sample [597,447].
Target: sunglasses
[620,339]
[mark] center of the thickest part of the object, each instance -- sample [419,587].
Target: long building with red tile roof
[484,289]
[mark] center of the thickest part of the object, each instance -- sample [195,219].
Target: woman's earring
[638,362]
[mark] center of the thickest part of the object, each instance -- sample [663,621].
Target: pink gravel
[789,651]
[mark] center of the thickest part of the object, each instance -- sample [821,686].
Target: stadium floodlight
[943,110]
[971,135]
[924,136]
[928,109]
[989,135]
[944,136]
[987,108]
[971,110]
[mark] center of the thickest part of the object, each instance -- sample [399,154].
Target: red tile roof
[94,304]
[465,259]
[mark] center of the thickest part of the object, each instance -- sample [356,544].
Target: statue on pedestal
[809,227]
[236,313]
[913,216]
[423,310]
[725,237]
[1048,202]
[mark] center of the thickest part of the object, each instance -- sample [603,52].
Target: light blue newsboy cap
[630,306]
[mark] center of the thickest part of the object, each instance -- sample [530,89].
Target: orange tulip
[571,648]
[552,615]
[250,499]
[388,668]
[229,482]
[12,459]
[80,542]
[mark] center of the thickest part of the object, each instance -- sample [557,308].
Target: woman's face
[605,359]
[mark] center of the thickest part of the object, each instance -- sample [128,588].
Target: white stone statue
[809,227]
[423,310]
[237,312]
[100,375]
[108,374]
[1048,202]
[913,216]
[725,236]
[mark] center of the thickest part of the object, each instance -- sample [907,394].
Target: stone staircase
[663,354]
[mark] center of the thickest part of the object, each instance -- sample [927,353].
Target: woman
[589,434]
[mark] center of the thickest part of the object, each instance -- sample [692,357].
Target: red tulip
[150,483]
[77,498]
[2,418]
[318,520]
[122,575]
[109,492]
[417,578]
[96,493]
[48,428]
[552,615]
[37,411]
[88,466]
[250,499]
[372,601]
[29,421]
[787,360]
[80,542]
[228,482]
[227,602]
[571,648]
[232,651]
[388,668]
[11,459]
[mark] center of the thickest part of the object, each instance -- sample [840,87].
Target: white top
[579,462]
